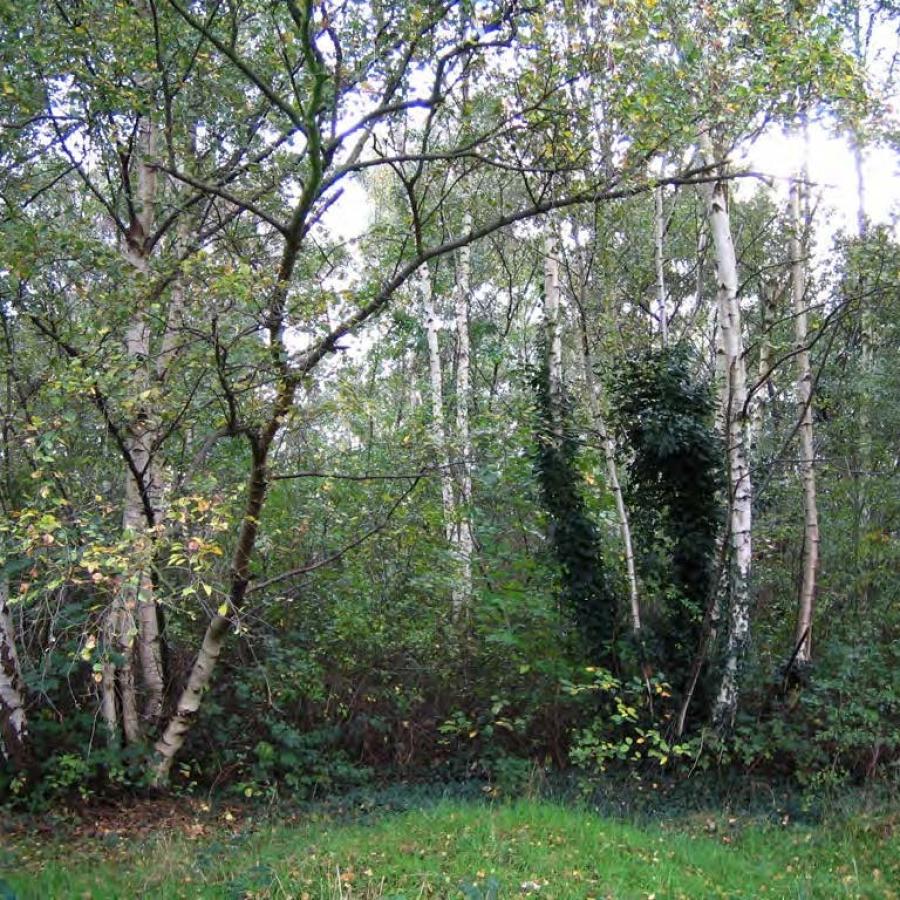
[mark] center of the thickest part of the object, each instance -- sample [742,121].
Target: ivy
[675,482]
[586,586]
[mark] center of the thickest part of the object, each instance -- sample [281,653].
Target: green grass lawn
[472,851]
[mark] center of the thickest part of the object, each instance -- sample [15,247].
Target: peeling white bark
[438,429]
[658,249]
[803,634]
[145,483]
[553,331]
[199,679]
[735,429]
[13,718]
[465,540]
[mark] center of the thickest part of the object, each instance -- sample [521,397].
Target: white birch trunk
[553,333]
[740,488]
[140,614]
[723,375]
[658,248]
[803,634]
[612,475]
[768,299]
[13,718]
[861,38]
[199,679]
[438,429]
[465,542]
[867,351]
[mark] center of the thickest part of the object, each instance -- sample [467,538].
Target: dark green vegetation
[586,592]
[675,487]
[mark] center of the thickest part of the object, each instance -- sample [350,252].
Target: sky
[832,171]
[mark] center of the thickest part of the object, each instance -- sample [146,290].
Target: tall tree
[13,717]
[733,399]
[804,387]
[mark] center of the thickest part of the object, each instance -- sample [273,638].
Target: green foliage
[840,725]
[622,728]
[342,665]
[674,489]
[586,587]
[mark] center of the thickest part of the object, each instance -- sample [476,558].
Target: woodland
[436,392]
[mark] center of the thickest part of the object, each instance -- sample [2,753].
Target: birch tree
[13,717]
[770,294]
[170,249]
[552,324]
[800,303]
[436,382]
[732,370]
[595,403]
[659,226]
[133,613]
[465,542]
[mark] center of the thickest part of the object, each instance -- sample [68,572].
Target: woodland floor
[189,848]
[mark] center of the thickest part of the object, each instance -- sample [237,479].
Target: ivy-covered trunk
[575,539]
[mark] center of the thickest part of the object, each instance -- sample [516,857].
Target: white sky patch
[832,170]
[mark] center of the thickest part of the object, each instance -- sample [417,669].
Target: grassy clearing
[472,851]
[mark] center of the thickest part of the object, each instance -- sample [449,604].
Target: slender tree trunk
[740,488]
[134,614]
[553,333]
[13,718]
[803,636]
[438,430]
[612,475]
[861,220]
[722,374]
[465,538]
[867,349]
[201,672]
[769,297]
[658,247]
[861,43]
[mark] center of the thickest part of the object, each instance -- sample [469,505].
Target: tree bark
[465,541]
[769,300]
[133,613]
[553,333]
[178,726]
[658,248]
[803,634]
[438,428]
[13,717]
[734,415]
[612,475]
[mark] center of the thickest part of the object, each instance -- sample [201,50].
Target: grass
[471,850]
